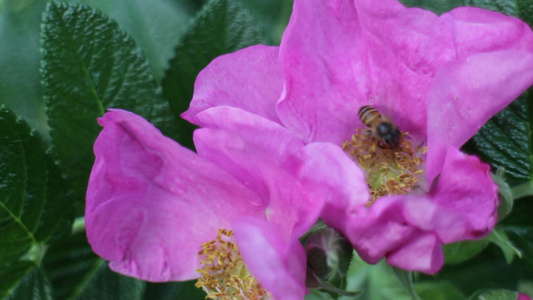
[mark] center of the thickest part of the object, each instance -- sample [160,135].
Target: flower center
[223,274]
[387,171]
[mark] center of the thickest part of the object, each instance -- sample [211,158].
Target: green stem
[78,225]
[522,190]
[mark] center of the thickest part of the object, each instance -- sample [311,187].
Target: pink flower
[523,297]
[439,78]
[153,206]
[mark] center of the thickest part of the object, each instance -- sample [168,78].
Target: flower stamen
[223,274]
[387,171]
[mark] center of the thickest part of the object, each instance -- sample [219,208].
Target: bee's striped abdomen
[369,115]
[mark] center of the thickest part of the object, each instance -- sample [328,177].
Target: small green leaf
[406,279]
[89,65]
[458,252]
[494,295]
[221,27]
[500,239]
[518,227]
[374,281]
[505,194]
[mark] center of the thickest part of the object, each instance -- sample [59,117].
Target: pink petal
[477,30]
[423,254]
[378,230]
[523,297]
[274,257]
[337,57]
[151,203]
[264,156]
[249,79]
[341,182]
[396,226]
[465,188]
[466,93]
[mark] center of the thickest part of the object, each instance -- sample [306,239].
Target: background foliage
[65,62]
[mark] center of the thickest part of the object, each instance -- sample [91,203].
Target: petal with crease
[466,93]
[151,203]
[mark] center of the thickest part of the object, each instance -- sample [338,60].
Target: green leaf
[173,291]
[106,284]
[155,25]
[89,65]
[374,281]
[500,239]
[458,252]
[23,183]
[505,193]
[406,279]
[19,57]
[518,227]
[437,7]
[272,16]
[70,265]
[34,286]
[505,140]
[494,295]
[58,212]
[487,270]
[438,290]
[221,27]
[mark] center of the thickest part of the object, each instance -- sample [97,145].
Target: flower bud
[328,258]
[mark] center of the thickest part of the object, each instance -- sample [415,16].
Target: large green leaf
[438,7]
[155,25]
[173,291]
[58,212]
[20,87]
[106,284]
[505,140]
[70,265]
[76,272]
[34,286]
[272,16]
[221,27]
[88,65]
[23,183]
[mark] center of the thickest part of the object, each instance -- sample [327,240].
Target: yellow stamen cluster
[387,171]
[223,274]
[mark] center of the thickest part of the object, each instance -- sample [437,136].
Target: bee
[380,127]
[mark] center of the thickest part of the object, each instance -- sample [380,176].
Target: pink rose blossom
[439,78]
[152,204]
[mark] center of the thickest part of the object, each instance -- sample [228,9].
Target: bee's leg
[367,132]
[383,145]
